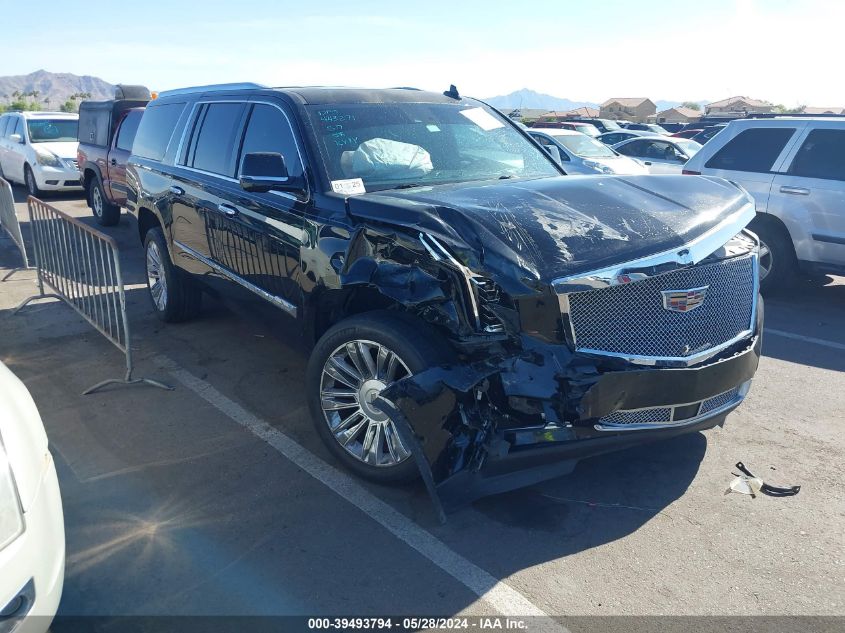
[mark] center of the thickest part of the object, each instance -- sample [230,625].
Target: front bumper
[65,178]
[475,442]
[32,566]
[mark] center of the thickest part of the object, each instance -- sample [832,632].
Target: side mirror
[554,152]
[16,138]
[266,171]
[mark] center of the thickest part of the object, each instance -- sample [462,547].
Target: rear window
[155,130]
[754,150]
[822,155]
[128,130]
[213,149]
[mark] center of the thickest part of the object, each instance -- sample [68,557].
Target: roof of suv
[313,95]
[36,115]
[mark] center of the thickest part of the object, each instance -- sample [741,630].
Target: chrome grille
[630,320]
[664,415]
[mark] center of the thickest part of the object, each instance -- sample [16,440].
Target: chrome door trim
[277,301]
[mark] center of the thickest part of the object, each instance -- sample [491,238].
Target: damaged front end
[553,368]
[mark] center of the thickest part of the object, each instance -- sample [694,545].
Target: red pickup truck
[106,133]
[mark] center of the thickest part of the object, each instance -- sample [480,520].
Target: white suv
[38,149]
[794,168]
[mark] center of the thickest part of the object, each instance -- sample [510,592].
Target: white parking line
[806,339]
[502,597]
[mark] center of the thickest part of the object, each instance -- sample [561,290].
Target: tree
[782,109]
[69,106]
[692,105]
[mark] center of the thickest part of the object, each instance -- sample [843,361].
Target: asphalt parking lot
[217,497]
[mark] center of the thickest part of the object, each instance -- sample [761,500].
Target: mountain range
[530,99]
[54,88]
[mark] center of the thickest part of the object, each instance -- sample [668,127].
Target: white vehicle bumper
[32,567]
[64,178]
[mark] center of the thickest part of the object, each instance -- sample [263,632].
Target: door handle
[798,191]
[177,191]
[113,162]
[647,162]
[227,210]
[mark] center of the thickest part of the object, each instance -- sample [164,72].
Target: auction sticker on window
[482,118]
[349,187]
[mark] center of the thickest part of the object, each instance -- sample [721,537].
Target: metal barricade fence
[81,266]
[9,223]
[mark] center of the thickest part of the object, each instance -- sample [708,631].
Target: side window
[269,131]
[128,129]
[155,130]
[634,148]
[18,128]
[754,150]
[214,146]
[545,142]
[4,121]
[822,155]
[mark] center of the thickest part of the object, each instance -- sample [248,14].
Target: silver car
[659,154]
[581,154]
[794,168]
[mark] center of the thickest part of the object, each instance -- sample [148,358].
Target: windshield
[52,130]
[587,128]
[689,147]
[611,125]
[390,145]
[584,146]
[658,128]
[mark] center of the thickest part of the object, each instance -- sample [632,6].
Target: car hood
[555,227]
[621,165]
[22,434]
[64,149]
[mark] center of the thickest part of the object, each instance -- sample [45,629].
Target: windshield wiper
[407,185]
[506,176]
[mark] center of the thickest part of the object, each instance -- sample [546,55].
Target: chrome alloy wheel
[97,201]
[353,376]
[155,276]
[764,260]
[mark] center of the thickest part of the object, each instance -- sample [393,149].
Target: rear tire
[372,448]
[778,264]
[174,295]
[106,213]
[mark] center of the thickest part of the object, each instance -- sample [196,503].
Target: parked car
[38,150]
[602,125]
[661,154]
[612,138]
[687,133]
[652,128]
[581,154]
[794,168]
[106,133]
[584,128]
[450,277]
[708,132]
[32,538]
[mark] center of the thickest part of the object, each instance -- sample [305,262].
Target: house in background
[637,109]
[584,112]
[678,114]
[738,106]
[818,110]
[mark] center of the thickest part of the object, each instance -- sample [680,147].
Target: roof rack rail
[212,88]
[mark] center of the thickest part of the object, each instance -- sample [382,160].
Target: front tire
[106,213]
[175,296]
[30,182]
[778,264]
[350,365]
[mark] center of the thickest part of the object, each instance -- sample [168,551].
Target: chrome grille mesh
[630,320]
[658,416]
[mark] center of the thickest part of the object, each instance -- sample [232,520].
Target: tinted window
[752,150]
[634,148]
[269,131]
[128,129]
[4,121]
[155,130]
[213,149]
[822,155]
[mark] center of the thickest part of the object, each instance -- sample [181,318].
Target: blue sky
[780,50]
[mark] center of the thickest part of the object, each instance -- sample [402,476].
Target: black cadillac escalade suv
[475,313]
